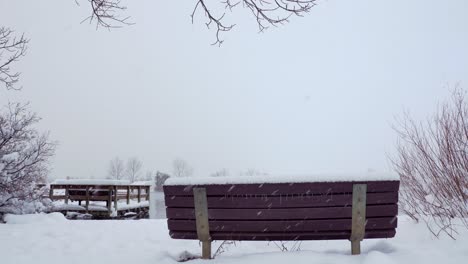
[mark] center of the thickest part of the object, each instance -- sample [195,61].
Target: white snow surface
[35,218]
[282,179]
[91,182]
[147,242]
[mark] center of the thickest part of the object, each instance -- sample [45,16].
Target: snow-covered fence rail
[110,192]
[300,210]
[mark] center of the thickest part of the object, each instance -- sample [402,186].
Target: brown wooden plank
[286,201]
[282,213]
[284,236]
[283,226]
[283,188]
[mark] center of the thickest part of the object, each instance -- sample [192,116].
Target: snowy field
[50,239]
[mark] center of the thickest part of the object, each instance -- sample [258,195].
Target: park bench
[210,209]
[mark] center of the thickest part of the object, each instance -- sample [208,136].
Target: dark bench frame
[202,219]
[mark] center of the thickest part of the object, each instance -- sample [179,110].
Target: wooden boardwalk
[100,199]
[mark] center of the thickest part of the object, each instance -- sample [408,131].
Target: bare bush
[432,162]
[181,168]
[12,48]
[24,159]
[116,169]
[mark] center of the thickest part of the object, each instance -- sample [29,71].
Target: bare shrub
[432,162]
[24,160]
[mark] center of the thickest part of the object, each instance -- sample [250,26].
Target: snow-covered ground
[50,239]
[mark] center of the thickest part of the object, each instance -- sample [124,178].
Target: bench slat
[258,201]
[285,236]
[283,213]
[283,226]
[283,188]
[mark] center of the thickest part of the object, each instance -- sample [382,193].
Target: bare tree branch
[266,12]
[105,13]
[12,48]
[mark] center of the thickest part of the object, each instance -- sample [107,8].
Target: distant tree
[133,170]
[220,173]
[432,161]
[160,180]
[253,172]
[24,159]
[148,176]
[181,168]
[116,169]
[12,48]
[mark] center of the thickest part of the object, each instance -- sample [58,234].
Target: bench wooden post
[67,195]
[201,216]
[128,194]
[87,199]
[358,227]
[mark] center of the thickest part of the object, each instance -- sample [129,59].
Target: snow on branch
[24,157]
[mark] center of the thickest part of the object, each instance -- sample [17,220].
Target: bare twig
[105,13]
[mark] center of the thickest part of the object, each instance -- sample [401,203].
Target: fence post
[115,200]
[139,194]
[67,195]
[128,194]
[148,190]
[358,227]
[51,192]
[201,216]
[109,199]
[87,199]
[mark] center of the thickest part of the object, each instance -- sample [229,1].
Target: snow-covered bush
[24,156]
[432,162]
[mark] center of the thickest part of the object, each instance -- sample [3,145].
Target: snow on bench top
[93,182]
[282,179]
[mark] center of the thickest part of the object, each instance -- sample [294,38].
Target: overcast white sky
[316,95]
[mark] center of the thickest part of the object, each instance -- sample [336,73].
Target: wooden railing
[107,193]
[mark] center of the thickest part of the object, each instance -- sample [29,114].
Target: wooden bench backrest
[283,211]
